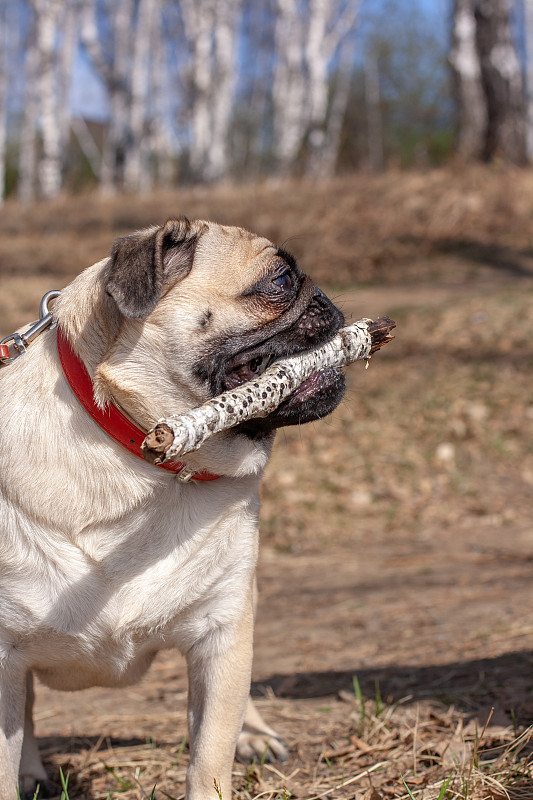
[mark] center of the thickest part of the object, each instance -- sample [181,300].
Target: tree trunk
[528,15]
[330,22]
[337,113]
[374,126]
[225,48]
[114,72]
[317,58]
[28,135]
[50,165]
[198,22]
[307,38]
[4,84]
[211,29]
[289,91]
[489,85]
[502,82]
[69,43]
[137,158]
[161,133]
[471,111]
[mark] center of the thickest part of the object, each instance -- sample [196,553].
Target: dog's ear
[142,264]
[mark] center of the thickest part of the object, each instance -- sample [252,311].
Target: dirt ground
[394,639]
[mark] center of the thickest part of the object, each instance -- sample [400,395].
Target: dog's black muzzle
[318,396]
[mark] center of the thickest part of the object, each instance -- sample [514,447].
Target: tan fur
[105,559]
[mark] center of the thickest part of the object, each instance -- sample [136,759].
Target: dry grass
[351,749]
[359,228]
[438,431]
[397,535]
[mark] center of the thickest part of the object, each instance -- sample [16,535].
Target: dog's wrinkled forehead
[218,259]
[231,260]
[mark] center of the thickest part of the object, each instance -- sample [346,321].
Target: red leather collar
[111,420]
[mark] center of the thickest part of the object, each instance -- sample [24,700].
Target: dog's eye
[283,281]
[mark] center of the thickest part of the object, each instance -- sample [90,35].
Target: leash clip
[15,344]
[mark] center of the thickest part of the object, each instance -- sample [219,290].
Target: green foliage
[64,784]
[409,792]
[415,106]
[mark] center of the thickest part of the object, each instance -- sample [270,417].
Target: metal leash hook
[15,344]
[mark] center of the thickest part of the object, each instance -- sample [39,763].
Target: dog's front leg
[12,700]
[31,772]
[219,682]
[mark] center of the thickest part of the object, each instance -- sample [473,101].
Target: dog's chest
[112,640]
[141,587]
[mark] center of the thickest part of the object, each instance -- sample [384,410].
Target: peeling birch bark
[27,160]
[501,75]
[115,72]
[178,435]
[137,169]
[289,87]
[469,96]
[47,14]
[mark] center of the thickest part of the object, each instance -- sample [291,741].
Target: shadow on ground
[505,682]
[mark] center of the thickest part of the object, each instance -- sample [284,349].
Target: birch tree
[161,134]
[45,128]
[68,45]
[289,86]
[225,49]
[113,66]
[374,123]
[308,36]
[28,135]
[211,29]
[330,22]
[528,16]
[170,73]
[137,156]
[47,15]
[489,84]
[469,91]
[339,104]
[198,26]
[501,76]
[4,84]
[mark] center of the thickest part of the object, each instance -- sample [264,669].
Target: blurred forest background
[134,95]
[388,144]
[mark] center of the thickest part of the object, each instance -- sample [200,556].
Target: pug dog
[106,559]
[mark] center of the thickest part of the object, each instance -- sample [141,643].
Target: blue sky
[87,96]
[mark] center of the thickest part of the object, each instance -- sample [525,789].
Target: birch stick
[181,434]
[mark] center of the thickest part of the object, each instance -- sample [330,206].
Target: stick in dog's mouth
[269,386]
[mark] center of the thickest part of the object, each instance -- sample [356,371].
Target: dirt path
[412,616]
[443,622]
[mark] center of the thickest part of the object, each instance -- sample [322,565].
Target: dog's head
[198,308]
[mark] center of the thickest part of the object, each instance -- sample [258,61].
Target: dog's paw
[31,788]
[257,745]
[258,740]
[32,774]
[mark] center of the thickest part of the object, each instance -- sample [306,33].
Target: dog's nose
[323,302]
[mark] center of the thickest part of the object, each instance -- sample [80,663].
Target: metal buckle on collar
[15,344]
[185,474]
